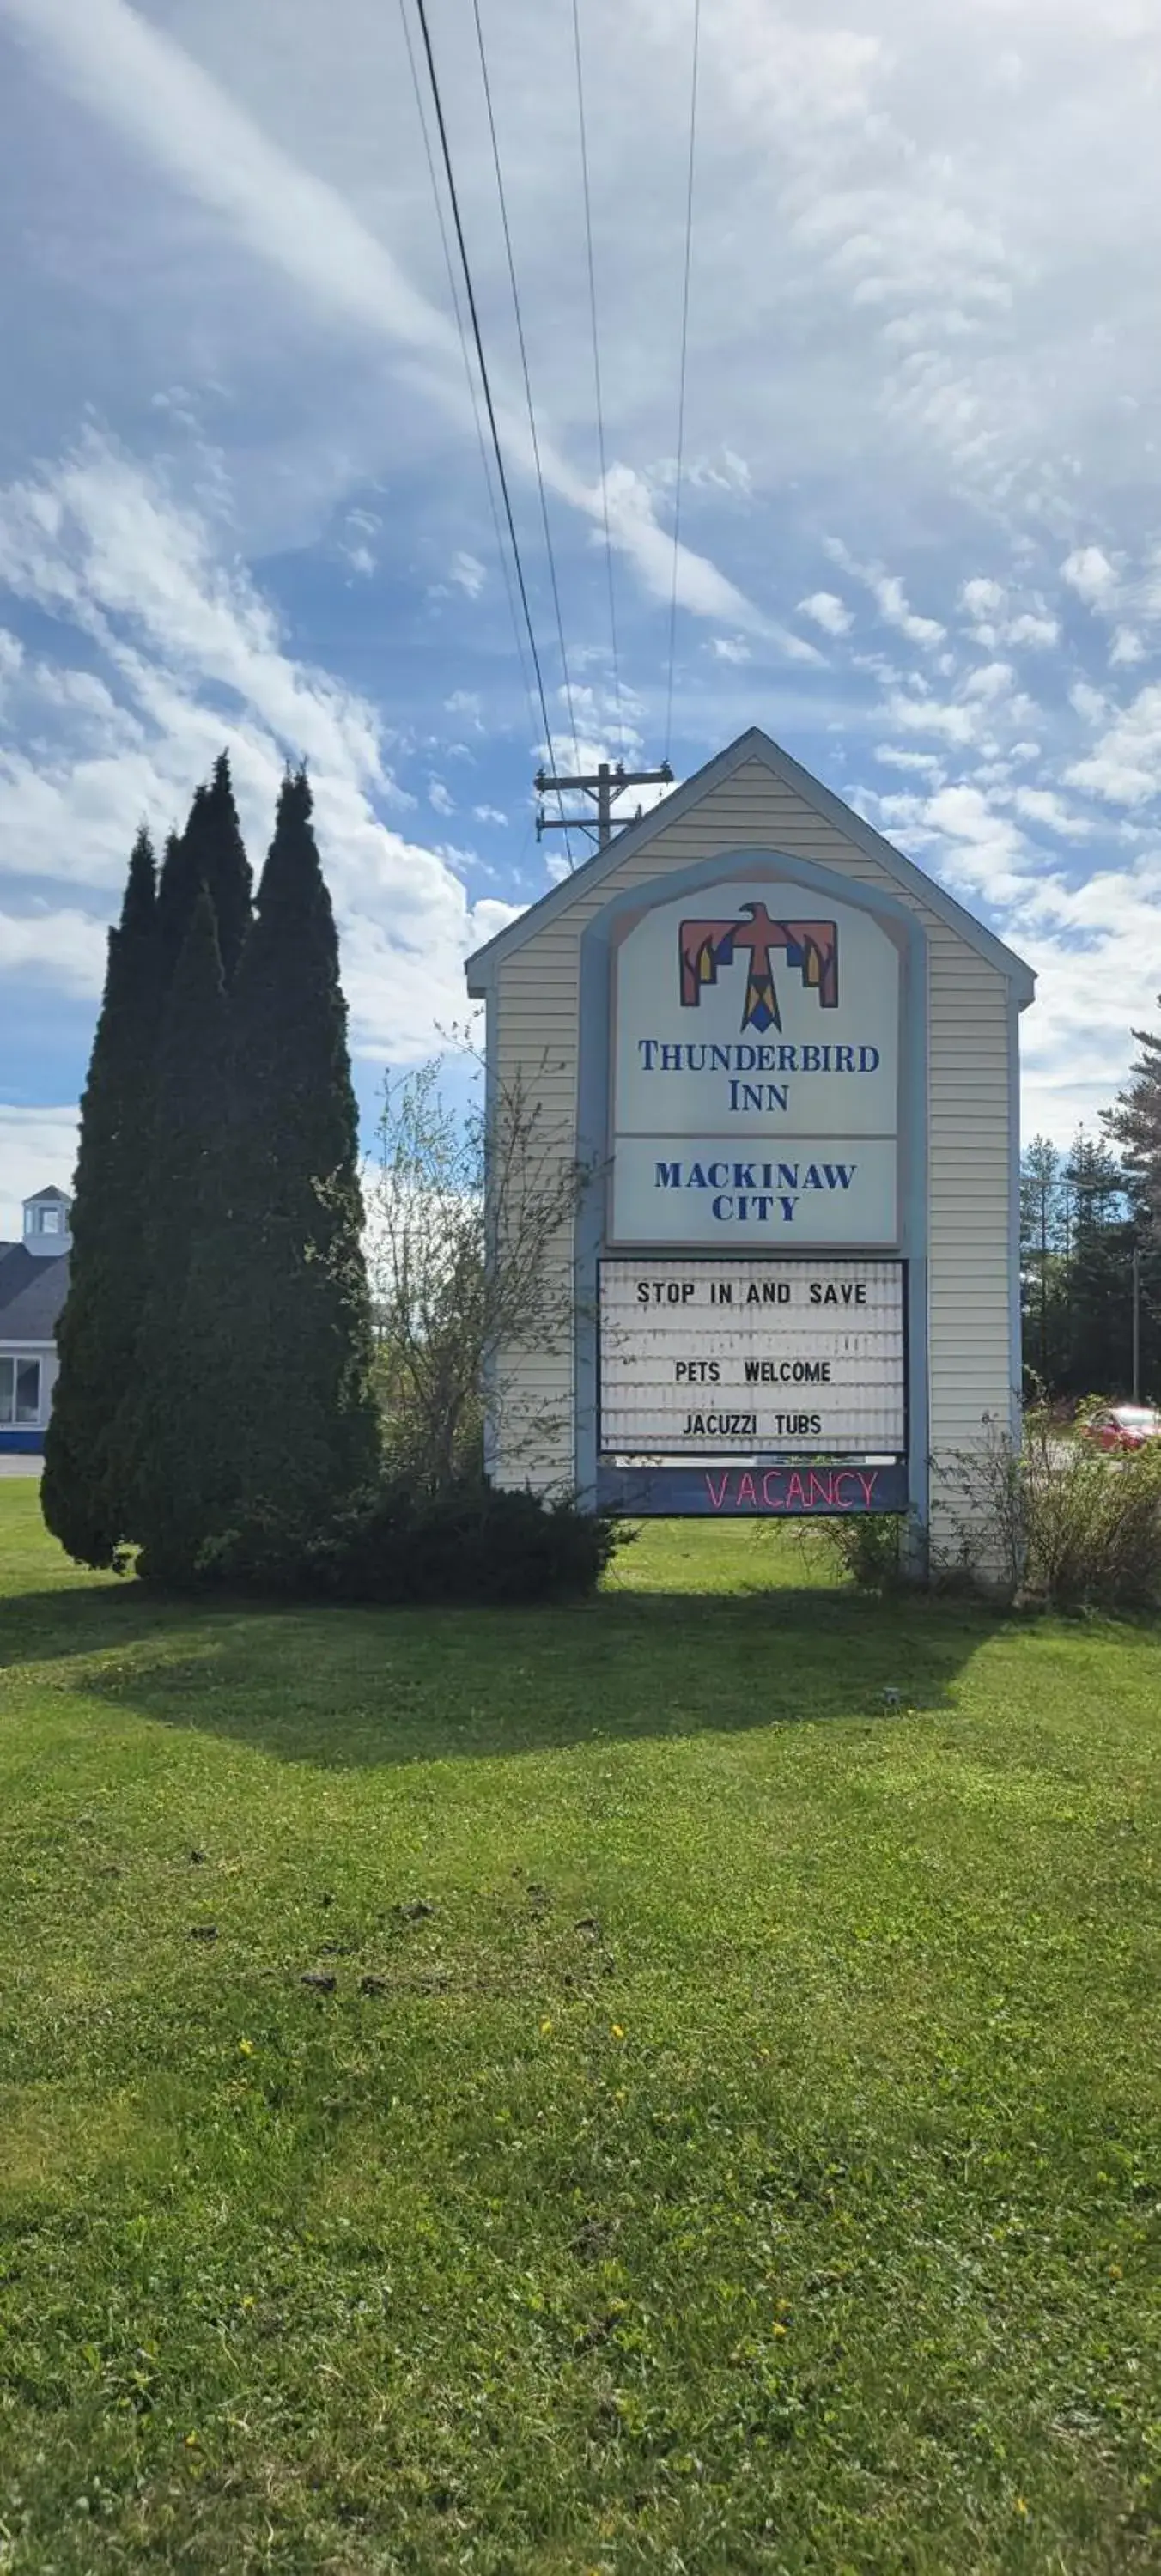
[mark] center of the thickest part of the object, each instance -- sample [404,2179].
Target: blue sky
[241,499]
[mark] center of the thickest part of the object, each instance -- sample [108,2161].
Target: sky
[242,502]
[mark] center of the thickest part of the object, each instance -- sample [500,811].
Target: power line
[584,151]
[473,395]
[682,372]
[482,363]
[548,545]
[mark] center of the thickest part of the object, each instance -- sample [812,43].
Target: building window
[48,1220]
[19,1392]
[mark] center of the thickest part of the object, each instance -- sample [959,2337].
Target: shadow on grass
[358,1688]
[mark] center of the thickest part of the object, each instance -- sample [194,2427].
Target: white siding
[536,1009]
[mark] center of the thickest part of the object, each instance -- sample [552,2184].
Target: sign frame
[665,1490]
[767,1454]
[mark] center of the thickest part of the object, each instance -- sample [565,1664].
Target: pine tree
[1099,1276]
[1041,1258]
[83,1490]
[1134,1125]
[300,1420]
[176,1500]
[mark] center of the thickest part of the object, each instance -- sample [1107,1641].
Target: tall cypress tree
[301,1421]
[177,894]
[176,1500]
[215,855]
[83,1491]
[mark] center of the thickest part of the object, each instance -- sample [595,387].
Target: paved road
[18,1465]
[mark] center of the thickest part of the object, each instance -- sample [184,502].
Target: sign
[756,1072]
[748,1493]
[750,1359]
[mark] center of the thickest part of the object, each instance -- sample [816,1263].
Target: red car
[1124,1426]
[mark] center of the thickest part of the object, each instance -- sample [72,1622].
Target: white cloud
[438,797]
[896,611]
[828,611]
[193,130]
[103,551]
[158,97]
[1043,805]
[727,648]
[488,814]
[1090,574]
[988,847]
[701,588]
[923,763]
[991,680]
[1032,627]
[724,473]
[1124,766]
[981,598]
[65,949]
[954,724]
[468,573]
[953,353]
[889,595]
[994,621]
[101,544]
[466,702]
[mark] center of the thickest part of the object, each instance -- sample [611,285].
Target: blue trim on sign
[789,1491]
[25,1444]
[594,1144]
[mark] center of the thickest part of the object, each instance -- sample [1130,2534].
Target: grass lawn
[726,2136]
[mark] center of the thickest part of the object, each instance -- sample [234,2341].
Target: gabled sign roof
[750,746]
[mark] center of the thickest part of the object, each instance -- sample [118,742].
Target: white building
[789,1061]
[33,1281]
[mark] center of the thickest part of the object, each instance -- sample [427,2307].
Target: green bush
[867,1546]
[1053,1523]
[468,1543]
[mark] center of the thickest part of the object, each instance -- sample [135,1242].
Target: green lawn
[730,2142]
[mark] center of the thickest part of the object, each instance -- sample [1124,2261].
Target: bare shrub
[464,1219]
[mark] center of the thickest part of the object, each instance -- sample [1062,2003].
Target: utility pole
[603,786]
[1136,1324]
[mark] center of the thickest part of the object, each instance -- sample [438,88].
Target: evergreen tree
[1133,1124]
[300,1423]
[1041,1258]
[177,891]
[83,1491]
[1097,1356]
[215,854]
[176,1502]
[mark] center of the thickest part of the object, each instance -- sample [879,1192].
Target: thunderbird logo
[811,947]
